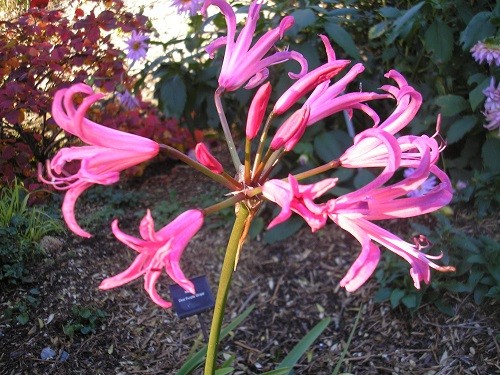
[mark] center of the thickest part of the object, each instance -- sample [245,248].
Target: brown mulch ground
[293,285]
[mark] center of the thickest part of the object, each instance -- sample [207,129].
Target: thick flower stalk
[108,151]
[244,63]
[158,251]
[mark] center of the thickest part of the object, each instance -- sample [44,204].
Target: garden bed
[293,284]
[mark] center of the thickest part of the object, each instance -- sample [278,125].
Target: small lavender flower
[460,185]
[188,6]
[423,189]
[492,106]
[127,100]
[486,52]
[137,46]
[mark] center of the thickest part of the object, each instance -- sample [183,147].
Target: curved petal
[135,271]
[150,280]
[68,208]
[366,262]
[134,243]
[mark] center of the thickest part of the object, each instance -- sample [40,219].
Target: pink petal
[68,208]
[366,262]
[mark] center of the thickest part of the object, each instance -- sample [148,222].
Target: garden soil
[292,284]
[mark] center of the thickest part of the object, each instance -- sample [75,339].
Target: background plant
[21,229]
[42,51]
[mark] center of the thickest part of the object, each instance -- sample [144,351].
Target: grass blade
[293,357]
[194,361]
[351,335]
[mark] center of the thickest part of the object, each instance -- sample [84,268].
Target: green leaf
[224,371]
[172,96]
[459,128]
[480,294]
[196,359]
[22,318]
[438,41]
[330,145]
[281,371]
[396,296]
[293,357]
[304,18]
[348,343]
[476,96]
[403,24]
[86,330]
[491,154]
[283,230]
[343,39]
[377,30]
[389,12]
[451,104]
[478,29]
[410,301]
[363,177]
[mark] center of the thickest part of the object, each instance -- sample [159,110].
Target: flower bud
[291,130]
[257,110]
[207,159]
[308,83]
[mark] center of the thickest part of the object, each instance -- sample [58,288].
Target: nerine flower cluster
[315,95]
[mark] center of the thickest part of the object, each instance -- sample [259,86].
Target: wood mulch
[293,285]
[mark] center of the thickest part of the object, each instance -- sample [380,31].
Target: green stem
[242,214]
[224,179]
[227,132]
[260,149]
[224,204]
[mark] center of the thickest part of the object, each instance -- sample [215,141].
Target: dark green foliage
[85,320]
[477,263]
[21,308]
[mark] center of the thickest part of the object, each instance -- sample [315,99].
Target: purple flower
[127,100]
[424,188]
[492,106]
[137,46]
[188,6]
[486,52]
[461,185]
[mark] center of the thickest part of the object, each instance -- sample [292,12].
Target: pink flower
[137,46]
[187,6]
[109,152]
[374,147]
[353,213]
[291,196]
[327,99]
[207,159]
[242,63]
[312,80]
[157,250]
